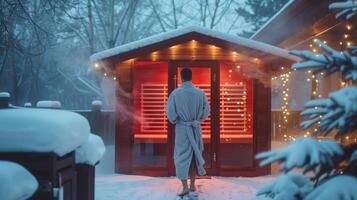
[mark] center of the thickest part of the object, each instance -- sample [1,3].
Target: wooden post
[4,101]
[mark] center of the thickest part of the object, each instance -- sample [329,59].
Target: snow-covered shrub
[331,166]
[306,153]
[349,8]
[287,187]
[338,111]
[337,187]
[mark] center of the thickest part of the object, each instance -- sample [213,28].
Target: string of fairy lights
[284,80]
[312,78]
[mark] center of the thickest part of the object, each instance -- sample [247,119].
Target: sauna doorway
[227,133]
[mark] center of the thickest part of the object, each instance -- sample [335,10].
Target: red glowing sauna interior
[228,143]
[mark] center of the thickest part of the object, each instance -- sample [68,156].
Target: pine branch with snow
[337,187]
[338,111]
[331,62]
[290,186]
[327,159]
[349,8]
[306,153]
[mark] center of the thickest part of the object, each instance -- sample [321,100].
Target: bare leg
[185,189]
[193,174]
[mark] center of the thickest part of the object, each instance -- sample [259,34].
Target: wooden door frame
[215,113]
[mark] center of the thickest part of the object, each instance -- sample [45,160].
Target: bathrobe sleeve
[171,109]
[206,108]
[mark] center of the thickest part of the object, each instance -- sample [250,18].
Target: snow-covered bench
[16,182]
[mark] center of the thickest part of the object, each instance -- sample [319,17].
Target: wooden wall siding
[194,50]
[262,121]
[251,54]
[303,20]
[298,17]
[125,119]
[123,72]
[327,28]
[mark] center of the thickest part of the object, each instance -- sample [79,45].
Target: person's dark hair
[186,74]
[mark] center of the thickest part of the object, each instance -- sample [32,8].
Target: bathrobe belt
[194,127]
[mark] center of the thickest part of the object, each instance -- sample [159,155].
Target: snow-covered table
[42,130]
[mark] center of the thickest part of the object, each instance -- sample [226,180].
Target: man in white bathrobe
[187,107]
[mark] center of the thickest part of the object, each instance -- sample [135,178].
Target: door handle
[214,157]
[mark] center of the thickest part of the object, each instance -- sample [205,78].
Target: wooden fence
[102,123]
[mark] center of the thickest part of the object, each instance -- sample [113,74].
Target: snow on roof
[91,151]
[16,182]
[42,130]
[272,18]
[204,31]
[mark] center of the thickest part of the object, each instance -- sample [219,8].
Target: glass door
[204,76]
[236,118]
[150,125]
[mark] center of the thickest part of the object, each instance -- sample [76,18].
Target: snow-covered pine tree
[329,169]
[257,12]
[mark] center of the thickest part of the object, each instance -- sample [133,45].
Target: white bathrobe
[187,107]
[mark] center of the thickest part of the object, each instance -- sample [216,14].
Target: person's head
[186,74]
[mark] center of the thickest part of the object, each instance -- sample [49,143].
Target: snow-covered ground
[111,186]
[123,187]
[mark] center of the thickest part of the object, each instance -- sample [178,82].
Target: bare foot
[184,192]
[193,188]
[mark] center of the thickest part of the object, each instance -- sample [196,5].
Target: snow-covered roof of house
[195,33]
[272,18]
[297,23]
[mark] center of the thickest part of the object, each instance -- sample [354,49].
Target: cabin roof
[273,18]
[298,22]
[174,37]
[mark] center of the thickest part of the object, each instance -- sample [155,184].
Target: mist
[45,45]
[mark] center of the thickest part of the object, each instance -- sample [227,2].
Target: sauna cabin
[235,74]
